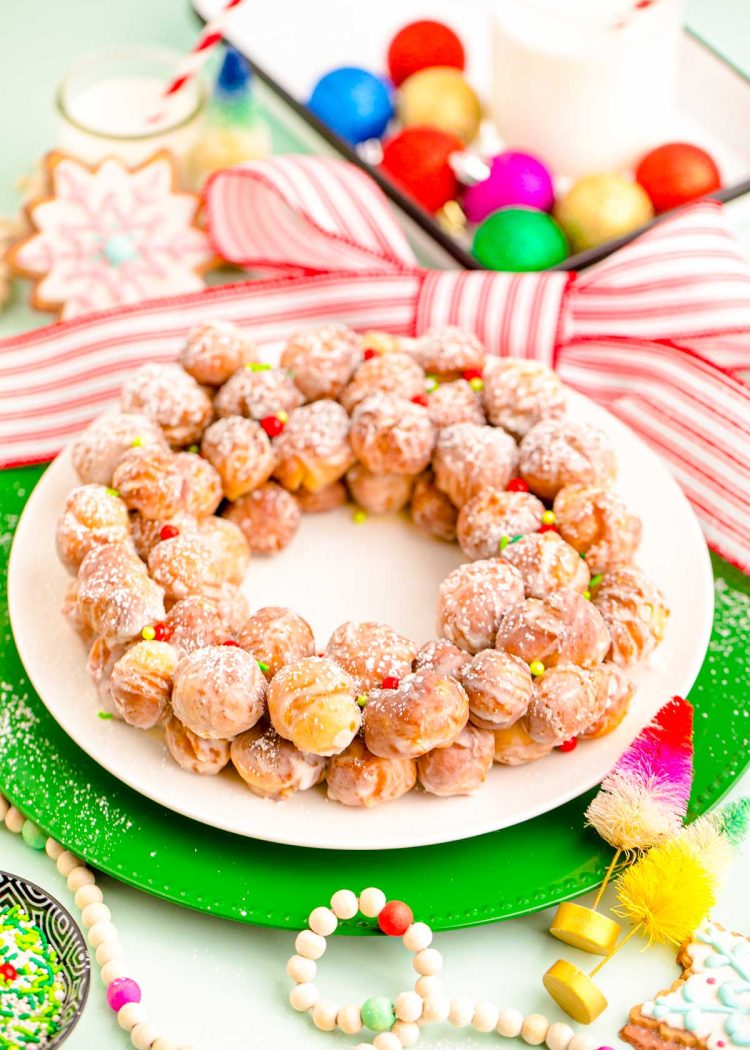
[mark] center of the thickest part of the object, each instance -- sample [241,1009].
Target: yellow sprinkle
[137,442]
[587,595]
[537,668]
[282,416]
[113,492]
[549,517]
[148,634]
[362,699]
[431,383]
[476,383]
[359,517]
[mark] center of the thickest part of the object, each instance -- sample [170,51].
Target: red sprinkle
[168,532]
[548,528]
[231,641]
[272,425]
[389,683]
[395,918]
[162,632]
[369,354]
[421,399]
[568,745]
[710,980]
[8,971]
[472,373]
[516,485]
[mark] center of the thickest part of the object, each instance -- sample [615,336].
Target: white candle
[588,85]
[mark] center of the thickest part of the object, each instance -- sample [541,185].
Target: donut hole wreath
[391,449]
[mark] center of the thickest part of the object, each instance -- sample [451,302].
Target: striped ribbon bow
[657,333]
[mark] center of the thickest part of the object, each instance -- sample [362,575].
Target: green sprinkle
[504,541]
[104,715]
[431,383]
[193,448]
[263,666]
[596,580]
[583,555]
[515,539]
[113,492]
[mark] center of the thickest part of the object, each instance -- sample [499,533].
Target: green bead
[518,240]
[33,836]
[377,1013]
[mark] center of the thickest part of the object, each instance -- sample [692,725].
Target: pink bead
[122,991]
[514,179]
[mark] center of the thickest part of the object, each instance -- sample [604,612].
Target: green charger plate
[479,880]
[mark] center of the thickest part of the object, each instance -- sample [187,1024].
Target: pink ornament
[122,991]
[514,179]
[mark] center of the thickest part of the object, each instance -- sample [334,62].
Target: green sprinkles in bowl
[31,983]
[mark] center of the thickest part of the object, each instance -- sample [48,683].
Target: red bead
[677,173]
[421,399]
[162,632]
[421,45]
[8,971]
[568,745]
[548,528]
[418,159]
[472,373]
[389,683]
[516,485]
[395,918]
[272,425]
[231,641]
[168,532]
[370,353]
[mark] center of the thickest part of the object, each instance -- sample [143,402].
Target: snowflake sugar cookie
[111,235]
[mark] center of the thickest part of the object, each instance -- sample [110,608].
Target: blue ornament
[235,74]
[357,105]
[119,249]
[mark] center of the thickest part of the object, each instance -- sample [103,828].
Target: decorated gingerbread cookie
[110,235]
[708,1006]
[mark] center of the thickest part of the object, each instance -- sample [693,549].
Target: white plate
[383,570]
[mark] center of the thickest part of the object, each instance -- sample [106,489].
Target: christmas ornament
[519,239]
[440,97]
[421,45]
[111,235]
[418,159]
[677,173]
[599,208]
[353,102]
[641,802]
[514,179]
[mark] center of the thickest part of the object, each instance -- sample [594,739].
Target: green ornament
[518,240]
[377,1013]
[33,836]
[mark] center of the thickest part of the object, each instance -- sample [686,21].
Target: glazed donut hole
[240,451]
[432,511]
[99,449]
[150,480]
[172,398]
[426,710]
[392,373]
[371,653]
[567,699]
[391,435]
[635,612]
[185,564]
[257,392]
[447,351]
[473,600]
[555,453]
[218,692]
[273,767]
[597,523]
[379,493]
[195,623]
[330,497]
[494,515]
[357,777]
[276,636]
[455,402]
[313,703]
[499,688]
[268,518]
[313,450]
[191,752]
[214,350]
[519,393]
[93,516]
[618,691]
[147,532]
[141,683]
[547,563]
[116,596]
[563,628]
[322,360]
[462,767]
[514,746]
[202,492]
[442,656]
[470,458]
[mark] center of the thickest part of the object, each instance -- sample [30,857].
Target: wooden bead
[4,807]
[427,985]
[129,1015]
[534,1029]
[53,849]
[143,1036]
[574,991]
[485,1016]
[108,951]
[310,945]
[90,894]
[558,1036]
[102,932]
[371,902]
[349,1019]
[113,971]
[428,962]
[303,997]
[408,1006]
[591,931]
[162,1043]
[66,862]
[581,1042]
[14,820]
[509,1023]
[435,1008]
[461,1011]
[407,1032]
[417,937]
[322,921]
[301,969]
[324,1015]
[344,904]
[94,913]
[386,1041]
[80,877]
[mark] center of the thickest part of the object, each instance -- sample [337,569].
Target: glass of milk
[111,104]
[587,85]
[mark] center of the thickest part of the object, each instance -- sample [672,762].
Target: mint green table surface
[206,981]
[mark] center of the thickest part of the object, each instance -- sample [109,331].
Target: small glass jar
[587,85]
[111,104]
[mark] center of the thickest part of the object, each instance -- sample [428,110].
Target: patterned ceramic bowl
[60,929]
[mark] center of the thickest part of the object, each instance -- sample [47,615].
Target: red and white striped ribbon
[211,35]
[658,332]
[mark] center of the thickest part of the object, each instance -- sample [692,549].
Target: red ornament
[370,353]
[272,425]
[421,399]
[8,971]
[395,918]
[231,641]
[471,373]
[568,745]
[421,45]
[516,485]
[417,159]
[548,528]
[168,532]
[677,173]
[162,632]
[389,683]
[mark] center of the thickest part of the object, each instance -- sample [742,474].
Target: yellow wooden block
[585,929]
[574,991]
